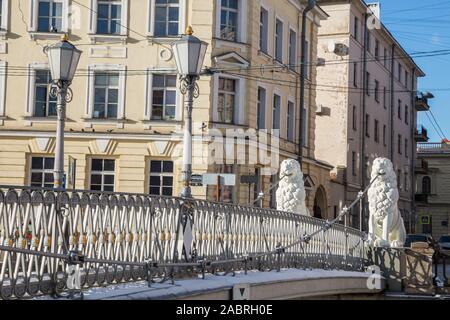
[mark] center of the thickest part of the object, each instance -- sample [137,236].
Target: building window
[406,114]
[292,49]
[279,40]
[377,87]
[50,15]
[367,83]
[161,178]
[368,41]
[355,118]
[355,74]
[166,18]
[276,111]
[227,100]
[385,57]
[263,30]
[291,121]
[426,185]
[406,148]
[229,20]
[109,17]
[399,72]
[377,49]
[102,174]
[384,135]
[356,28]
[367,125]
[44,104]
[399,143]
[399,111]
[306,62]
[106,95]
[354,163]
[376,131]
[384,98]
[261,112]
[164,97]
[42,172]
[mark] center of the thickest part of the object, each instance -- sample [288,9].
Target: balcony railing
[422,104]
[45,234]
[433,147]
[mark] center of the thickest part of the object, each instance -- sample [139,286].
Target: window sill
[149,124]
[102,38]
[162,39]
[3,34]
[38,35]
[236,44]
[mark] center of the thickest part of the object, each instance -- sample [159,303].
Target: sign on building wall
[425,219]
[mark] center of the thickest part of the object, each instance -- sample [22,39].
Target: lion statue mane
[386,226]
[291,189]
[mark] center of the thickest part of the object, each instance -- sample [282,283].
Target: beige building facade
[368,87]
[124,123]
[432,188]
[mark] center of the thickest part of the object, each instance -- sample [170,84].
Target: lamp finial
[65,37]
[189,31]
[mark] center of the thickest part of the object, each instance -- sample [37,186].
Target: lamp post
[189,53]
[63,60]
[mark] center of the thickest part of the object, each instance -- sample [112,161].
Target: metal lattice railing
[116,237]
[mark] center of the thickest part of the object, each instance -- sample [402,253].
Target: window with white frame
[41,173]
[109,16]
[44,104]
[161,178]
[261,112]
[229,20]
[166,18]
[263,30]
[279,40]
[102,174]
[106,95]
[292,49]
[226,100]
[276,111]
[290,121]
[50,16]
[306,62]
[164,97]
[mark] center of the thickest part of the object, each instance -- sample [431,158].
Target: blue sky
[425,26]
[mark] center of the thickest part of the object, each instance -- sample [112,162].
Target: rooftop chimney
[376,9]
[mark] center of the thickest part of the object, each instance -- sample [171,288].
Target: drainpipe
[364,124]
[309,7]
[392,103]
[413,151]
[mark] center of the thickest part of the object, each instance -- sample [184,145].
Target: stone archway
[320,204]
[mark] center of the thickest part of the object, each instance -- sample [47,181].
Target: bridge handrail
[126,237]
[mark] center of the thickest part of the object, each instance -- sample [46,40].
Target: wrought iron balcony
[422,101]
[421,135]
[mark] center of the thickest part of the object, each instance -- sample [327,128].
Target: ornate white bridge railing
[115,237]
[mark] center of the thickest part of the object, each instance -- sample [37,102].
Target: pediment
[232,59]
[309,183]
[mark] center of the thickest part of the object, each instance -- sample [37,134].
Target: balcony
[422,135]
[422,101]
[434,147]
[421,166]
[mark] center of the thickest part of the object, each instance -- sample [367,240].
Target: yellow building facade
[124,123]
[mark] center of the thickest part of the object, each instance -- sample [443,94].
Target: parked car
[411,238]
[444,242]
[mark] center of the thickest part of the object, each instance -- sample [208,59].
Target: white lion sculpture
[291,189]
[386,227]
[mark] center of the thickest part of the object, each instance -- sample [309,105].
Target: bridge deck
[286,284]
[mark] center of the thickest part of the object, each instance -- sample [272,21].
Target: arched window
[426,185]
